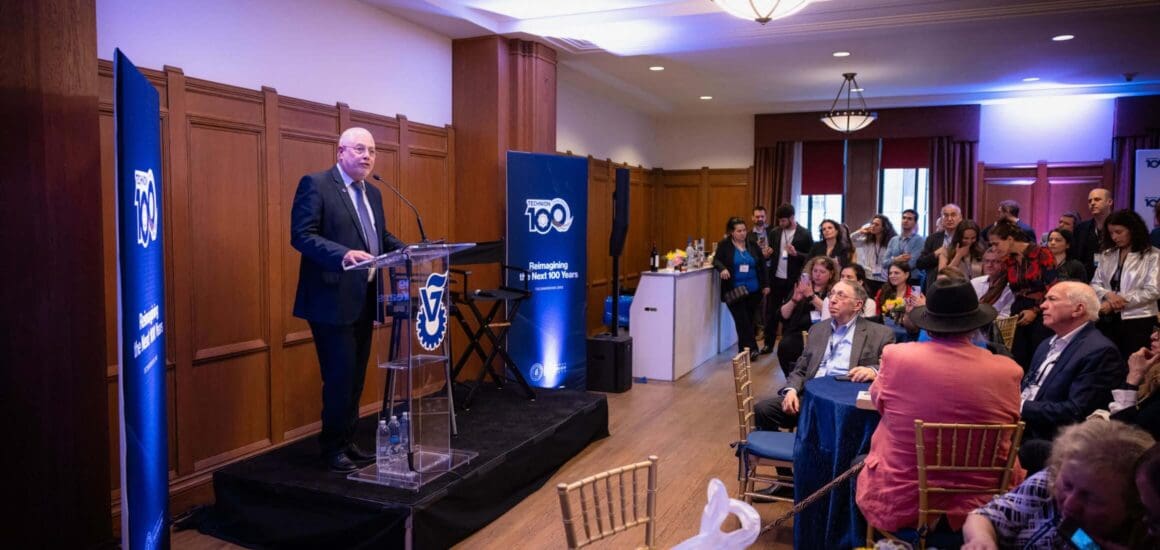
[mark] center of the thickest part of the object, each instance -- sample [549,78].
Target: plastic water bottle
[393,446]
[689,251]
[382,447]
[405,439]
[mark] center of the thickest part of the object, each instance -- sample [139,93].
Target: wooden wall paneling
[601,182]
[1044,190]
[231,396]
[861,202]
[230,308]
[678,198]
[276,242]
[729,195]
[994,183]
[532,79]
[180,318]
[640,226]
[479,109]
[301,153]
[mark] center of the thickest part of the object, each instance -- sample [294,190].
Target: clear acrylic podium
[413,294]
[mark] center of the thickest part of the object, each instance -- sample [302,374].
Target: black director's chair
[486,325]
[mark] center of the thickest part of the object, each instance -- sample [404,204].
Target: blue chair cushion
[770,444]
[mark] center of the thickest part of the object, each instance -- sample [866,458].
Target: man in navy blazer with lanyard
[1073,373]
[337,220]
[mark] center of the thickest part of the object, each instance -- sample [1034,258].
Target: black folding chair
[485,324]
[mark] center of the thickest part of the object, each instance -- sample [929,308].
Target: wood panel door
[1044,190]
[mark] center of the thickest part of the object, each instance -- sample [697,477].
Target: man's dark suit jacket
[1084,246]
[865,351]
[323,227]
[927,260]
[801,241]
[1080,382]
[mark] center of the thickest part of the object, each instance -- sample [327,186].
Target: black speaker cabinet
[610,363]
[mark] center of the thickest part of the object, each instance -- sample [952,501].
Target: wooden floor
[688,424]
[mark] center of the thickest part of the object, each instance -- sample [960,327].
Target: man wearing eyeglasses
[847,345]
[337,220]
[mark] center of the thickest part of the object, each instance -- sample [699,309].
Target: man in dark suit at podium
[337,220]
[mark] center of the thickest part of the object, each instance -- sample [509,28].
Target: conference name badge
[431,320]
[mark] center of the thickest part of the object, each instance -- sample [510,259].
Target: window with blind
[823,183]
[905,179]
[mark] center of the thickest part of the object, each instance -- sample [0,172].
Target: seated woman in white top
[855,274]
[992,264]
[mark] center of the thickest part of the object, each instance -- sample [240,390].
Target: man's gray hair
[1080,293]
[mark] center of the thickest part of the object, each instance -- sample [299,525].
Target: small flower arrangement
[894,308]
[676,259]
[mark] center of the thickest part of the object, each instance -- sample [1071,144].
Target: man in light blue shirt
[848,344]
[906,245]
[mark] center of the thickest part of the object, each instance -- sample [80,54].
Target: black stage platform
[284,499]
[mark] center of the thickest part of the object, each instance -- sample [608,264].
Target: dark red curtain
[906,153]
[823,167]
[952,175]
[772,174]
[1124,154]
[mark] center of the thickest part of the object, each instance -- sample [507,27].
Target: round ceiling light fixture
[762,11]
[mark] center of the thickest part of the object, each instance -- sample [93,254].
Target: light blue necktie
[364,218]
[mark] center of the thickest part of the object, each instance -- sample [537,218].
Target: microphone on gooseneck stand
[418,218]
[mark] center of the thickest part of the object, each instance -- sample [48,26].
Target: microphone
[418,218]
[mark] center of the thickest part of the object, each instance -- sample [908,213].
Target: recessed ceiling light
[656,68]
[1063,37]
[1031,79]
[841,54]
[706,97]
[858,90]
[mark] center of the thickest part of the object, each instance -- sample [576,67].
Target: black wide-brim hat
[952,306]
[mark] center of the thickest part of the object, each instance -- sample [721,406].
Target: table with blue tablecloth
[831,432]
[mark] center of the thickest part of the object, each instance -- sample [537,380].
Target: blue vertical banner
[547,234]
[140,310]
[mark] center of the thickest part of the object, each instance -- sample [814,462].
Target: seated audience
[1074,371]
[1125,281]
[847,344]
[1136,401]
[1148,485]
[897,289]
[992,272]
[1066,269]
[947,379]
[1087,485]
[853,273]
[804,307]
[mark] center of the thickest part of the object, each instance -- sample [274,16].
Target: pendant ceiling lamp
[762,11]
[849,119]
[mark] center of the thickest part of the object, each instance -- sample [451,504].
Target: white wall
[588,123]
[718,141]
[1056,129]
[324,51]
